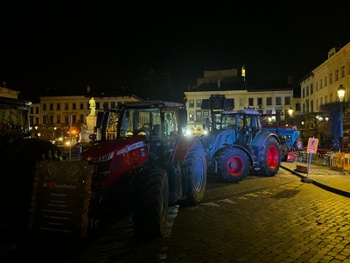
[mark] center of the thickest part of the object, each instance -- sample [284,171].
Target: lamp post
[290,112]
[341,94]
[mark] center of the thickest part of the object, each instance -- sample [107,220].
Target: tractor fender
[261,138]
[183,146]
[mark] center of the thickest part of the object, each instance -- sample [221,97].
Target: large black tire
[194,172]
[233,165]
[269,157]
[150,197]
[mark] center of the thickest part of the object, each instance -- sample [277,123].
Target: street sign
[312,145]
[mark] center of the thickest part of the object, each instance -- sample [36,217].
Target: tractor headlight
[188,132]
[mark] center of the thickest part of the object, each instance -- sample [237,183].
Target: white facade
[266,101]
[320,86]
[9,93]
[55,115]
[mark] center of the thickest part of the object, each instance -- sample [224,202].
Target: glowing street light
[290,112]
[341,94]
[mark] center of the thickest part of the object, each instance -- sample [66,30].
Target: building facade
[232,84]
[319,87]
[8,93]
[58,116]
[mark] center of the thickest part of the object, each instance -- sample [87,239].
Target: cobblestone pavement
[284,218]
[337,181]
[291,221]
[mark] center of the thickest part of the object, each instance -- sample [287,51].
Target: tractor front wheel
[150,198]
[269,157]
[233,165]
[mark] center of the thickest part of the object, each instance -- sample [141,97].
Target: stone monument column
[90,122]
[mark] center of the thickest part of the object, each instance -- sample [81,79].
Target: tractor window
[228,121]
[13,121]
[126,124]
[239,121]
[170,123]
[248,120]
[136,119]
[143,120]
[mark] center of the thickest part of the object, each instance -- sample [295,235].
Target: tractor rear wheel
[194,172]
[233,165]
[269,157]
[150,198]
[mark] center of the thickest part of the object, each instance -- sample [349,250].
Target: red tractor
[150,165]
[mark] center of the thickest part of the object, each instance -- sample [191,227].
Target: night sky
[57,46]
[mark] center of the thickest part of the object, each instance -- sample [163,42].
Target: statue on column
[88,128]
[92,104]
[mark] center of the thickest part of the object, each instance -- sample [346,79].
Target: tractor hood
[103,148]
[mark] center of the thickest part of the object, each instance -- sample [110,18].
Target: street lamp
[290,112]
[341,94]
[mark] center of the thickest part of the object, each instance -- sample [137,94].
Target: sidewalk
[322,176]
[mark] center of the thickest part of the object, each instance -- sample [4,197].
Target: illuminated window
[191,115]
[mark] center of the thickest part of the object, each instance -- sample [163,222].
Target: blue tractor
[290,140]
[236,142]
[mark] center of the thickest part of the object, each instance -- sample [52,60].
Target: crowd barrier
[340,161]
